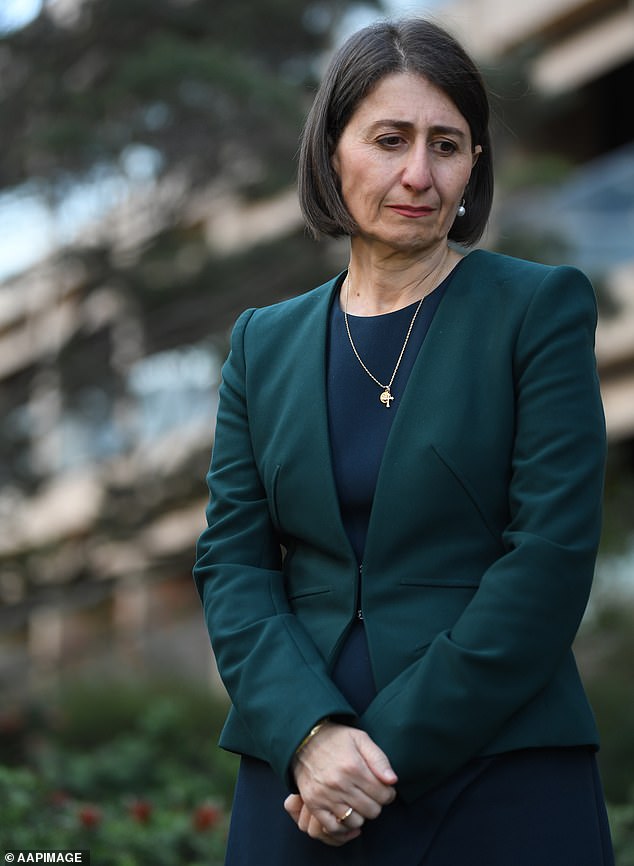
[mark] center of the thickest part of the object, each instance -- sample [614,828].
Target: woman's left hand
[307,822]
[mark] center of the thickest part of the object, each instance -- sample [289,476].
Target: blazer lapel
[307,464]
[418,424]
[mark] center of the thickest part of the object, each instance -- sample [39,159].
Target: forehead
[408,97]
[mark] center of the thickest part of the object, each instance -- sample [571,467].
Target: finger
[350,820]
[340,821]
[336,839]
[293,805]
[307,823]
[351,783]
[343,765]
[343,831]
[368,769]
[377,761]
[369,804]
[332,804]
[305,817]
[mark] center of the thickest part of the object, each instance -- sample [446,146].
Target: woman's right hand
[342,768]
[295,807]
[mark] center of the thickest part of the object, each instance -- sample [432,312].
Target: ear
[477,150]
[334,162]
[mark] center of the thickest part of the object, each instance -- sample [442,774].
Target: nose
[416,171]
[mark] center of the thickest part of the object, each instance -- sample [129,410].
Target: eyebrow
[408,125]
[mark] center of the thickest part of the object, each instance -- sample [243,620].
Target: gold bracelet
[313,731]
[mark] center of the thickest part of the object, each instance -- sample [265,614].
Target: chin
[414,244]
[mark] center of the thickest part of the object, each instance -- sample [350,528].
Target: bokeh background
[147,163]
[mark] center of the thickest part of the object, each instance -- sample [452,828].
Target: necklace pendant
[386,398]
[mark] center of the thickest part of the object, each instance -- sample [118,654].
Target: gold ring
[345,815]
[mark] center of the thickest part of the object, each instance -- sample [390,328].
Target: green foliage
[537,171]
[532,244]
[119,831]
[199,82]
[622,827]
[132,773]
[604,649]
[611,692]
[618,526]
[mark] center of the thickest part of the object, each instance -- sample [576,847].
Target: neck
[378,284]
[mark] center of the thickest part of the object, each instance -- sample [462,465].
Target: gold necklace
[386,390]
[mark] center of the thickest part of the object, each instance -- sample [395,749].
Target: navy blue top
[359,425]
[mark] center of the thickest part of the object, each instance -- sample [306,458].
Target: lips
[410,211]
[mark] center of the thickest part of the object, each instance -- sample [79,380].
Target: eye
[444,146]
[390,142]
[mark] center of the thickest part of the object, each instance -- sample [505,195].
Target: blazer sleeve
[518,629]
[274,674]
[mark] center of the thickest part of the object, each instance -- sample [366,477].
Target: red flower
[140,810]
[206,817]
[89,817]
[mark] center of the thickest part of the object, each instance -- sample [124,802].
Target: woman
[405,506]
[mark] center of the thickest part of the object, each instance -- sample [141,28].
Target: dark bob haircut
[412,45]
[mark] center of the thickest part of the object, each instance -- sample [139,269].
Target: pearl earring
[461,210]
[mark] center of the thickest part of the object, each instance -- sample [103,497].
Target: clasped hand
[339,769]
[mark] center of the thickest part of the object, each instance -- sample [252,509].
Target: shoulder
[289,311]
[503,268]
[279,330]
[511,278]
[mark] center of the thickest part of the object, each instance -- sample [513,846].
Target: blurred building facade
[97,515]
[107,427]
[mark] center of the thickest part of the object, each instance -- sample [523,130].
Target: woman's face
[403,161]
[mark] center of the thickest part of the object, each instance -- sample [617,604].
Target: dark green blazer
[482,539]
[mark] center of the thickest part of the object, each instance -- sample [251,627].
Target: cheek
[353,184]
[454,182]
[366,180]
